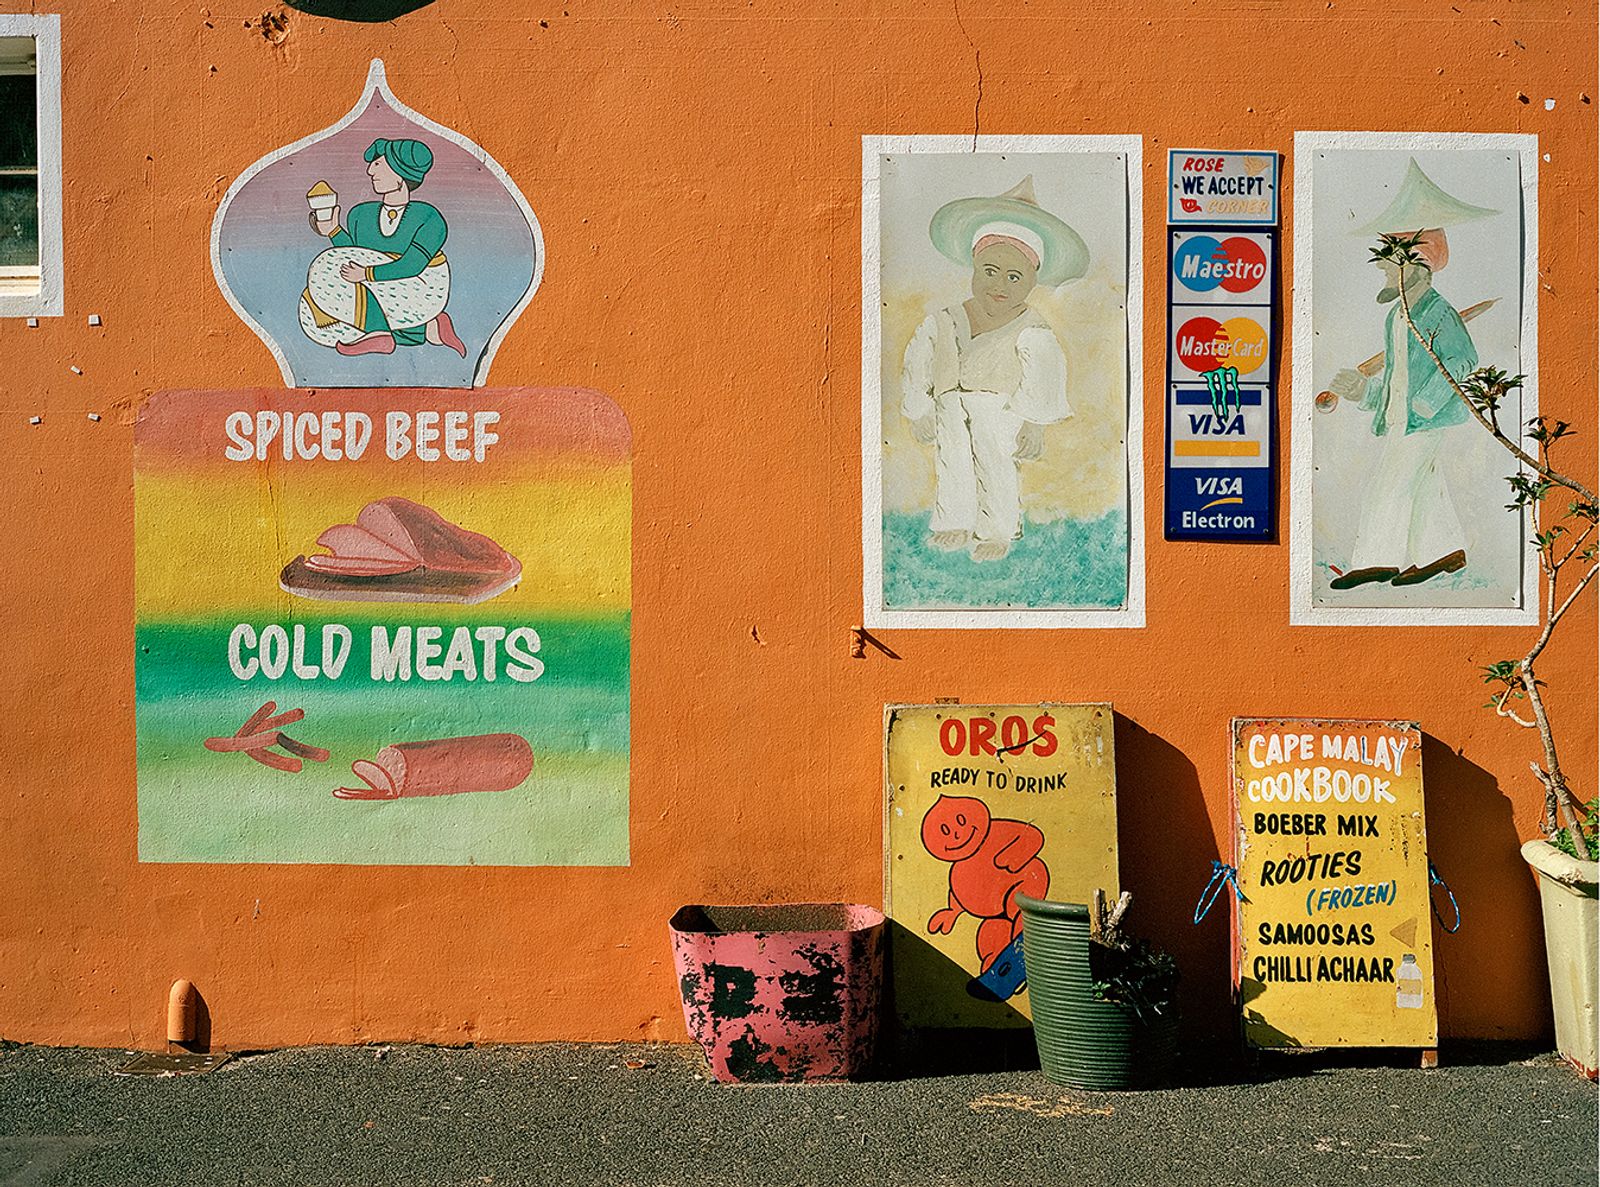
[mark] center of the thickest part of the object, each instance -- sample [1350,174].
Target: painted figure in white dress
[981,379]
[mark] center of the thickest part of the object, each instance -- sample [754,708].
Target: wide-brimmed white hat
[1016,214]
[1421,205]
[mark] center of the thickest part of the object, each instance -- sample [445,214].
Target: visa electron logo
[1237,264]
[1204,344]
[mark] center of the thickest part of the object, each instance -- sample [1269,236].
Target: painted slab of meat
[400,551]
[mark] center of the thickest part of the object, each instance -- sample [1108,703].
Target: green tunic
[1430,401]
[416,240]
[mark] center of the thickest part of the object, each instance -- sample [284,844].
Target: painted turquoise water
[1070,563]
[196,805]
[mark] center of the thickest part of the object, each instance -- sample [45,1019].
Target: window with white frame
[30,165]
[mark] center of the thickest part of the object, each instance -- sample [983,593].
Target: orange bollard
[181,1011]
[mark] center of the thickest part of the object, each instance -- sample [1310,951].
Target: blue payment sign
[1219,461]
[1221,284]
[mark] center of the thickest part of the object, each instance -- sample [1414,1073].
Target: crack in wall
[977,65]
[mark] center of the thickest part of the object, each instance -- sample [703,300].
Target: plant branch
[1576,544]
[1490,426]
[1558,796]
[1504,710]
[1489,385]
[1571,598]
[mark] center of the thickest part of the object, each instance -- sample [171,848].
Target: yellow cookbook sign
[985,802]
[1335,938]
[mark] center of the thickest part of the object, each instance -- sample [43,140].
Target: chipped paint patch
[816,997]
[733,990]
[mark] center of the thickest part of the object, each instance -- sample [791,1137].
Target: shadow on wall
[1004,1046]
[1165,847]
[201,1043]
[366,11]
[1495,963]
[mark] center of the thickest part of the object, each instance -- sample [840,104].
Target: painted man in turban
[1409,530]
[981,379]
[385,280]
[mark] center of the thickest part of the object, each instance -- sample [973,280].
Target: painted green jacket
[416,240]
[1430,402]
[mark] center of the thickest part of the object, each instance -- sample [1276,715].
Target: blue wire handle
[1222,874]
[1435,880]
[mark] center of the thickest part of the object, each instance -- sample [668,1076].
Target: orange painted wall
[696,168]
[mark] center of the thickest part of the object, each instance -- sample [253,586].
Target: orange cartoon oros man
[992,861]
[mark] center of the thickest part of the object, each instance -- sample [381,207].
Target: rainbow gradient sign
[383,626]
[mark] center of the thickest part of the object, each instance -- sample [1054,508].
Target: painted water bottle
[1408,984]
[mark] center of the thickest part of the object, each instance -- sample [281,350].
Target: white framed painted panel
[1397,495]
[432,322]
[1002,461]
[34,286]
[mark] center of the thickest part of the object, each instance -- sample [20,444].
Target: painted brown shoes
[1365,576]
[1412,575]
[1449,563]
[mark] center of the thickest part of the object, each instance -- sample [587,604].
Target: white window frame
[46,33]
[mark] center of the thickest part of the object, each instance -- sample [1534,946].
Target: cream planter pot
[1572,942]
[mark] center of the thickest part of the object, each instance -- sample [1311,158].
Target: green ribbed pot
[1084,1043]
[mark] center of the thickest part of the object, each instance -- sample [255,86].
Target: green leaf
[1503,671]
[1398,249]
[1589,826]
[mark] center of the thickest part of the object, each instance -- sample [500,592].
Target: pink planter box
[781,993]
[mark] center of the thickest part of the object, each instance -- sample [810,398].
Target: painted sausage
[447,766]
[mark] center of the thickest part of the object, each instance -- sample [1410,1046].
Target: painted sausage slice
[448,766]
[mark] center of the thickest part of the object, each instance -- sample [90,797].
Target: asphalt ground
[579,1115]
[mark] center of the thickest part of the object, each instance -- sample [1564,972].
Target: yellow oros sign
[982,803]
[1334,943]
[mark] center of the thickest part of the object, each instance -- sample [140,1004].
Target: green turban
[411,159]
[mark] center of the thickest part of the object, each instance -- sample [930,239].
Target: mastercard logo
[1204,344]
[1203,264]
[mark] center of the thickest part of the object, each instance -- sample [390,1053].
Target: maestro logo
[1203,264]
[1204,344]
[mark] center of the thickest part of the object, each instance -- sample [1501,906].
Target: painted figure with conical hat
[981,379]
[1409,529]
[384,280]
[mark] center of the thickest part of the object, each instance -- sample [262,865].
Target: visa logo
[1206,425]
[1215,485]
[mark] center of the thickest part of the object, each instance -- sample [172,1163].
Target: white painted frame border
[50,300]
[1302,610]
[875,616]
[377,83]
